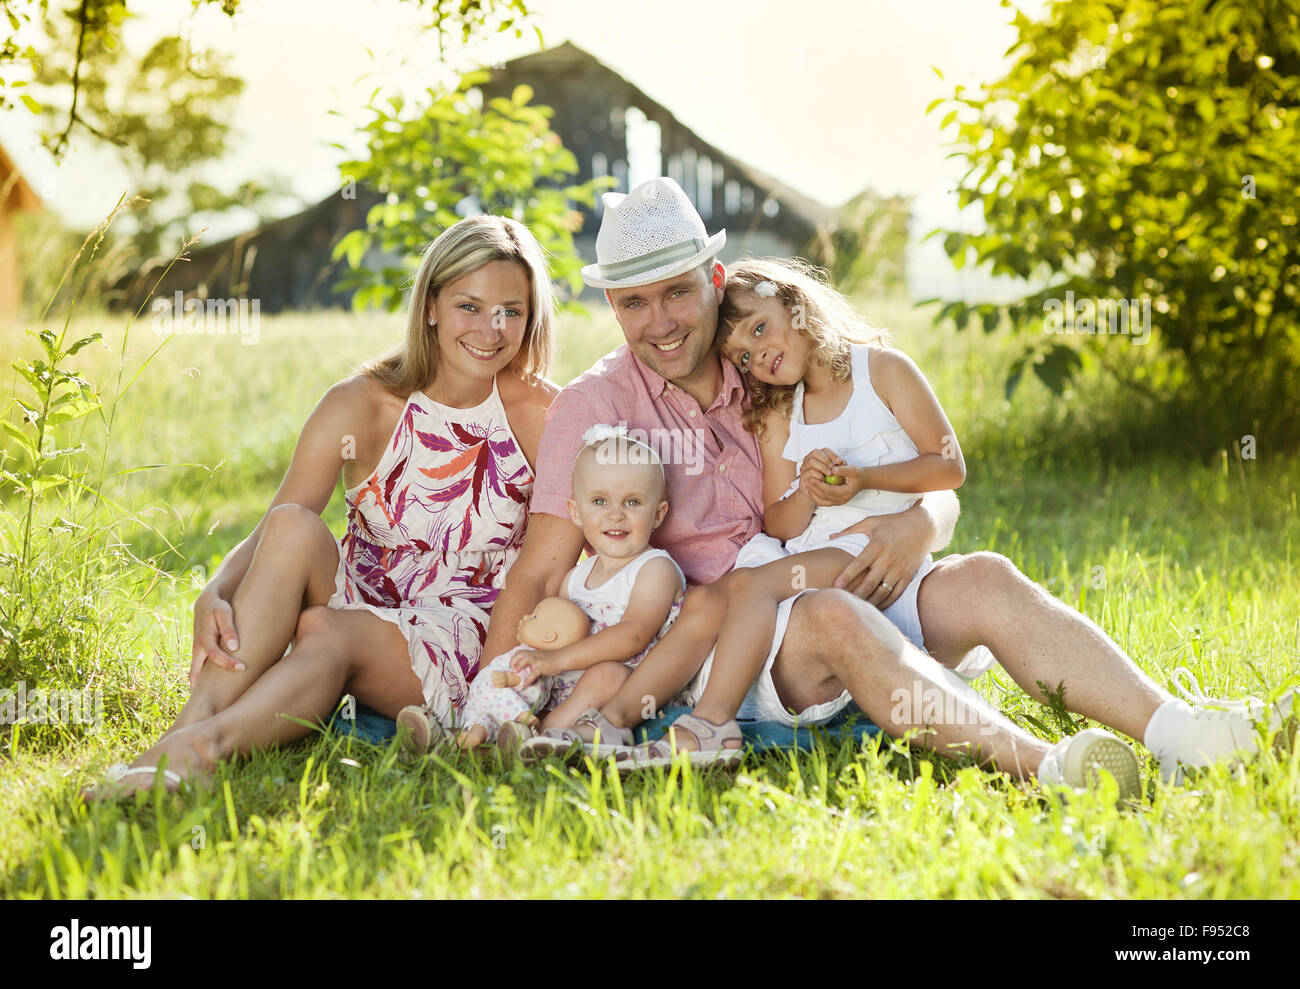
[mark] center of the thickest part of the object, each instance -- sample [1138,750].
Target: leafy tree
[453,152]
[98,25]
[865,250]
[1146,150]
[165,116]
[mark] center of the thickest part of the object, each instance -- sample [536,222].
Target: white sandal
[120,771]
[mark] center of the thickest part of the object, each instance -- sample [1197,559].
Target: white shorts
[762,702]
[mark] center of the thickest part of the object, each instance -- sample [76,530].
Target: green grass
[1182,562]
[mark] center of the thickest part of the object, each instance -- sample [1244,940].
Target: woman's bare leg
[337,651]
[293,568]
[983,599]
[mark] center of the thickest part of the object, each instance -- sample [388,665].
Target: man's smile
[670,348]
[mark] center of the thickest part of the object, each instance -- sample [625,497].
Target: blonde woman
[436,444]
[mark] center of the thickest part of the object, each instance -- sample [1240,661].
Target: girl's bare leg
[750,624]
[677,657]
[293,568]
[337,651]
[598,684]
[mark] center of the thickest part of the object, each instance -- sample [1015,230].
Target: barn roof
[568,56]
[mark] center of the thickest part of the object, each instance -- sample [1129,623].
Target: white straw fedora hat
[649,234]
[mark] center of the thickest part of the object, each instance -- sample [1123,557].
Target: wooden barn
[15,195]
[612,127]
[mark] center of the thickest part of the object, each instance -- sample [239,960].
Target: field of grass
[1184,562]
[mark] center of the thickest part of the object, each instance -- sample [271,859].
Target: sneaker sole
[1104,753]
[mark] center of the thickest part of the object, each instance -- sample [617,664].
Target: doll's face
[553,624]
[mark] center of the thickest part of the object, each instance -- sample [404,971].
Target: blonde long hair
[460,249]
[828,319]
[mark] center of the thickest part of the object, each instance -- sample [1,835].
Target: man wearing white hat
[658,267]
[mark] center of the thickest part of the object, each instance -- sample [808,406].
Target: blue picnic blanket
[851,723]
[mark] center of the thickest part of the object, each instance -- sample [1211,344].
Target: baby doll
[500,694]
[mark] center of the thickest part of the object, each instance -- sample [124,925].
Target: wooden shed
[15,195]
[611,126]
[614,128]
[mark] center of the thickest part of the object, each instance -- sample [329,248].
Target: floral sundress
[430,535]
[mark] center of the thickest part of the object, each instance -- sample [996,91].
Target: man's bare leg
[835,642]
[983,599]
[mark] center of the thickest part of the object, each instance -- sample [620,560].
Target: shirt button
[692,413]
[722,469]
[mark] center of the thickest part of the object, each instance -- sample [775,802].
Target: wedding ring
[887,586]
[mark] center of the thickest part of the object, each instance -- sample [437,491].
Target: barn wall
[10,279]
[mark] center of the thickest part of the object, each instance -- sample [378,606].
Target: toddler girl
[631,592]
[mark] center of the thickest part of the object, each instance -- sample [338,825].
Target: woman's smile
[479,354]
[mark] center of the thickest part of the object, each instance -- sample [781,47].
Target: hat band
[655,259]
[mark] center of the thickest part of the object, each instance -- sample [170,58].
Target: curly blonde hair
[827,319]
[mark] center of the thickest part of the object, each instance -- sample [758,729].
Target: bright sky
[828,96]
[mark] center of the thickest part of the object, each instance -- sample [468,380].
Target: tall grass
[1183,562]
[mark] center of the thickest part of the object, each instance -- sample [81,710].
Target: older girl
[435,443]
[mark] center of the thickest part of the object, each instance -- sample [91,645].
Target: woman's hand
[214,628]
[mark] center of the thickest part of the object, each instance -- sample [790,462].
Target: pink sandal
[512,735]
[712,750]
[417,732]
[571,744]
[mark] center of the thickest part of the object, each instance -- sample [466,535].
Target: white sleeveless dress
[490,707]
[606,604]
[865,434]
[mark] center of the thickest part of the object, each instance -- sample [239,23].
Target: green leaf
[84,341]
[22,438]
[1014,375]
[1056,367]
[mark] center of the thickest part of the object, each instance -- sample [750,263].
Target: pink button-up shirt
[714,468]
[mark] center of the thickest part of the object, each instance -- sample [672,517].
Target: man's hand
[214,627]
[898,546]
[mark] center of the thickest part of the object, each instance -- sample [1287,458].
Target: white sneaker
[1198,731]
[1076,760]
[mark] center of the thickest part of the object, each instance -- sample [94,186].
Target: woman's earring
[432,321]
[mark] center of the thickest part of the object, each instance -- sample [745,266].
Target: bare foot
[473,738]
